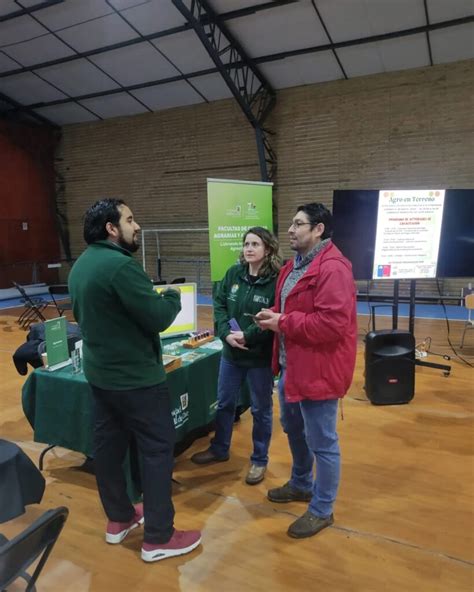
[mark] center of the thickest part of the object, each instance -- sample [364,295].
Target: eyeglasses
[298,223]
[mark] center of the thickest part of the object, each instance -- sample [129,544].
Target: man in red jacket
[314,319]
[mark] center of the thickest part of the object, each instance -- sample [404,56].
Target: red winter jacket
[320,328]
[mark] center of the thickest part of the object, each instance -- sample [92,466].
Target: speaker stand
[411,327]
[444,367]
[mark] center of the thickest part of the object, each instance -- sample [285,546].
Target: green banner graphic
[233,208]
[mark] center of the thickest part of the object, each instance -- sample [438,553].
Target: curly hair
[272,263]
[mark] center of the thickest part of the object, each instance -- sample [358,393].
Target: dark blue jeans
[311,430]
[260,381]
[145,413]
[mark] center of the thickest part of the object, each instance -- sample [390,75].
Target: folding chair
[33,311]
[37,540]
[60,305]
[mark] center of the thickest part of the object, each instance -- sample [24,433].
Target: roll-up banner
[233,208]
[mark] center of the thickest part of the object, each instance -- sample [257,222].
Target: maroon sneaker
[117,531]
[182,542]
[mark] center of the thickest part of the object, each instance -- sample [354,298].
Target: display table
[21,483]
[58,404]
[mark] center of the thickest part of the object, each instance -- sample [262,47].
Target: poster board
[408,233]
[233,208]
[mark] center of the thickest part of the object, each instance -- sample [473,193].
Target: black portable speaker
[390,367]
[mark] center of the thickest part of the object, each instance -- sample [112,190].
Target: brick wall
[158,163]
[400,130]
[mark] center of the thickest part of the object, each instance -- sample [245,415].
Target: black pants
[145,413]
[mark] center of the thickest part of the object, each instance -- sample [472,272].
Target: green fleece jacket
[120,316]
[235,296]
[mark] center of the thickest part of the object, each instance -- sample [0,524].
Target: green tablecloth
[58,404]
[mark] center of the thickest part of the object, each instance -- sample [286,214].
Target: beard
[130,246]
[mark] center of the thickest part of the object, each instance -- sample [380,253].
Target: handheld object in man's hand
[249,314]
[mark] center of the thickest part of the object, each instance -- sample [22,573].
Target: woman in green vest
[246,288]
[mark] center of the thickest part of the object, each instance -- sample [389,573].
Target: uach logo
[233,293]
[181,414]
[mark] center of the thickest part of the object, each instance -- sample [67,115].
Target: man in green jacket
[120,316]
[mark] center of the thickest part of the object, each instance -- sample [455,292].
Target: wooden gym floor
[404,514]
